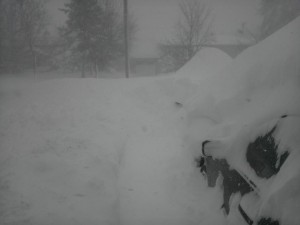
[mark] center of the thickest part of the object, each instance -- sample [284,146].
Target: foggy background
[156,19]
[87,39]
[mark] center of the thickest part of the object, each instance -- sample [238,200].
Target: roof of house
[230,44]
[223,39]
[231,49]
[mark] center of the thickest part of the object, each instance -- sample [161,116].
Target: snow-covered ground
[117,151]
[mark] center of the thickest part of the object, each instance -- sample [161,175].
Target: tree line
[22,28]
[94,33]
[92,38]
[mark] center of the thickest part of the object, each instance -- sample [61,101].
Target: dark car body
[263,172]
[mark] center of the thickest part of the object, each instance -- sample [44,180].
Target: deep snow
[99,151]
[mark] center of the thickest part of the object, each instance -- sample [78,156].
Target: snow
[260,86]
[121,151]
[76,153]
[263,79]
[207,62]
[202,69]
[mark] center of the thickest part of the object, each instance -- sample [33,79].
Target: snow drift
[262,80]
[260,86]
[206,63]
[195,74]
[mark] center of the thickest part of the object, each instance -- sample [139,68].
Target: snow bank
[269,64]
[203,68]
[259,86]
[206,63]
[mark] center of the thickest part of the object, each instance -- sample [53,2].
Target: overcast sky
[156,18]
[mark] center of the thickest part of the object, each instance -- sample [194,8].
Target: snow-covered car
[259,170]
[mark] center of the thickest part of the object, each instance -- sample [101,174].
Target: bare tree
[23,25]
[33,23]
[247,33]
[193,30]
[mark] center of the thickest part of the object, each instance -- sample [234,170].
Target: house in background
[144,66]
[147,60]
[144,59]
[230,44]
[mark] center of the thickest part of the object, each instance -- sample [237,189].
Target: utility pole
[125,7]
